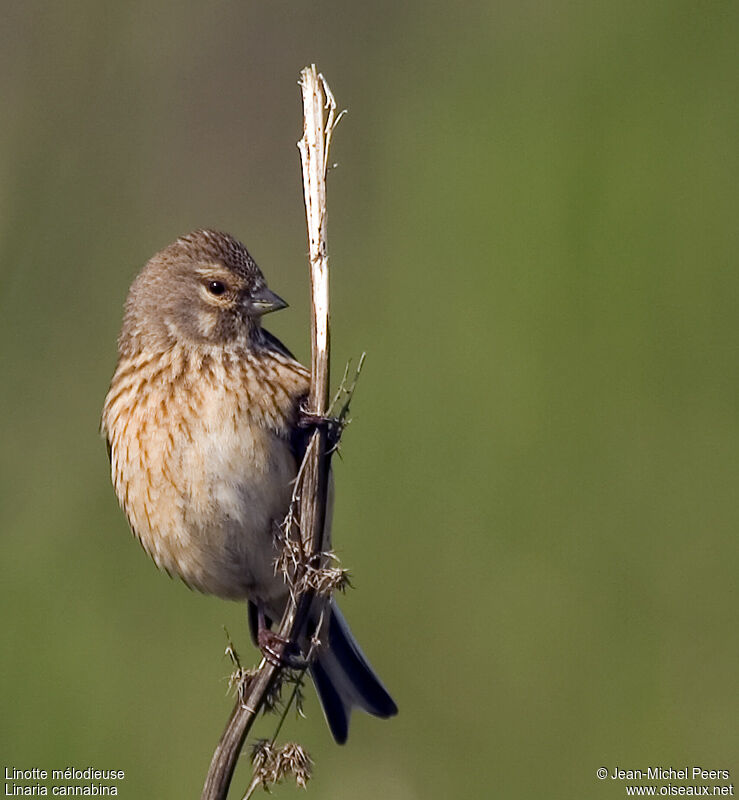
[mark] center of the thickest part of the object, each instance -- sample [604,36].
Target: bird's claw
[279,651]
[332,425]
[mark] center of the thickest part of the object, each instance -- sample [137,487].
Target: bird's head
[204,288]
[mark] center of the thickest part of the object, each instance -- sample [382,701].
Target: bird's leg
[278,650]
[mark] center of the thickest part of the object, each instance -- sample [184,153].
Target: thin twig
[251,788]
[319,120]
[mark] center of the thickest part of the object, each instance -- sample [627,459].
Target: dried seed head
[328,580]
[240,681]
[273,764]
[295,761]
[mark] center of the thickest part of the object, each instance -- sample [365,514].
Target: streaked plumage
[201,423]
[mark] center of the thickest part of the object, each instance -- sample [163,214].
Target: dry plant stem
[252,787]
[319,119]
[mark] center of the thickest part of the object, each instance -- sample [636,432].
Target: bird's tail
[344,678]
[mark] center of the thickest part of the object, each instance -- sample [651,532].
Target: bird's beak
[263,301]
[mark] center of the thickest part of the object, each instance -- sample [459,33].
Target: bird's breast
[202,466]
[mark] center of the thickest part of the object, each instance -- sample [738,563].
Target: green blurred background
[533,236]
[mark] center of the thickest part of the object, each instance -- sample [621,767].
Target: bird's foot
[279,651]
[332,425]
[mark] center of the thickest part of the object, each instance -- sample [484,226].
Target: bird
[203,427]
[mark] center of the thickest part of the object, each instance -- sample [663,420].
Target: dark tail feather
[337,715]
[344,678]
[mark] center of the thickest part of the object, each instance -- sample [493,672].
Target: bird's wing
[271,341]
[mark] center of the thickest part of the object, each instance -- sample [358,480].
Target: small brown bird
[202,424]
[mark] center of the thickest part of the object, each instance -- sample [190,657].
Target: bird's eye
[216,287]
